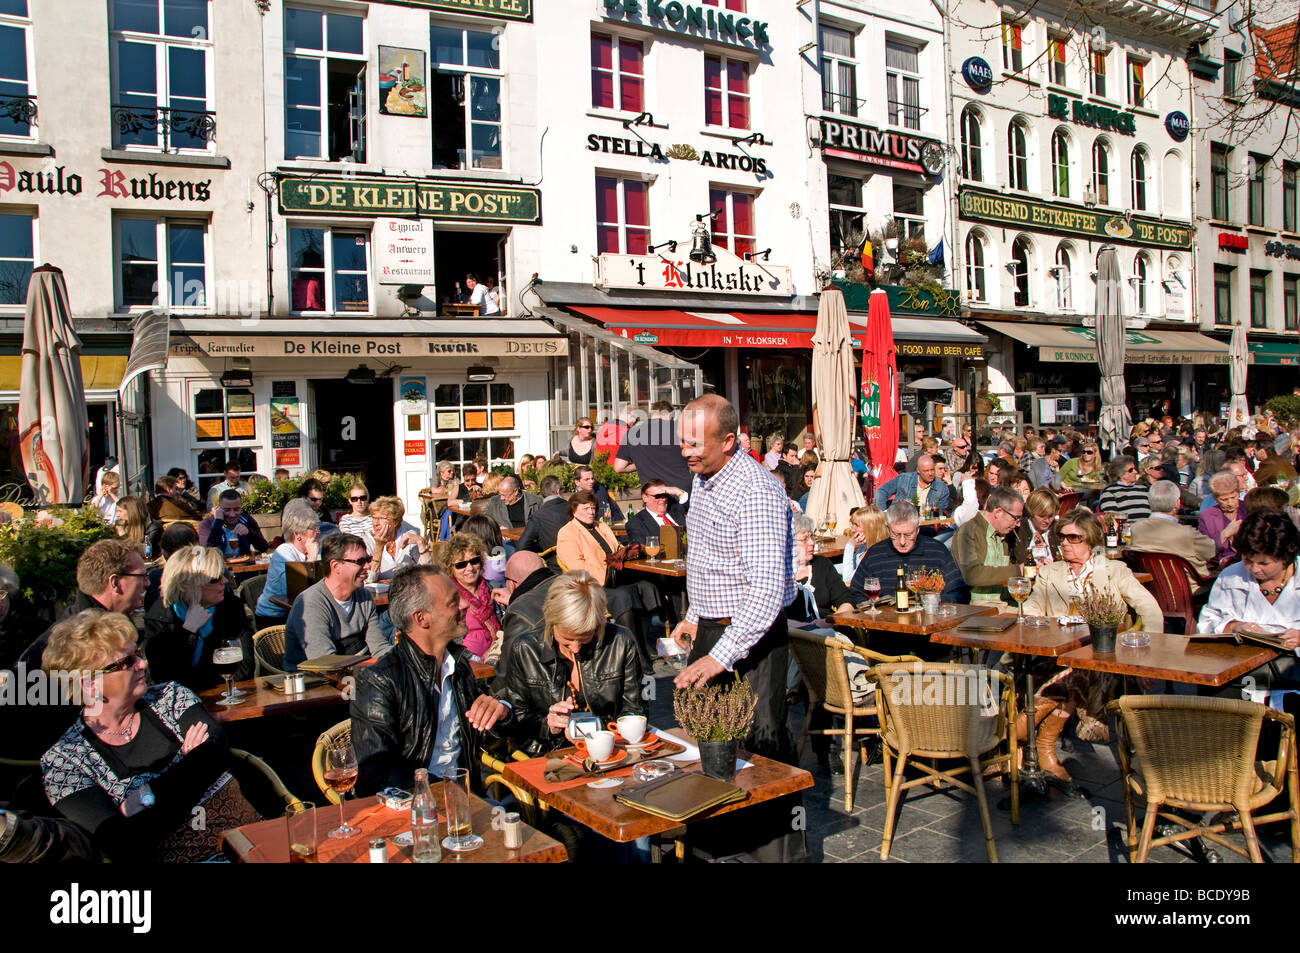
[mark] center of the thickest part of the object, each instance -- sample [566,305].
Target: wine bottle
[426,845]
[900,593]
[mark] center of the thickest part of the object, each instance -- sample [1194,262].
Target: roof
[1275,51]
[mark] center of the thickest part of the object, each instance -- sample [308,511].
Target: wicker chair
[960,724]
[268,649]
[1199,754]
[826,676]
[250,590]
[335,737]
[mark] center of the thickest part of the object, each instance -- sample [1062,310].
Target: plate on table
[648,740]
[613,761]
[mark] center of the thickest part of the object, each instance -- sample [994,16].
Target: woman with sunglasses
[197,612]
[1058,591]
[357,520]
[463,558]
[137,763]
[582,442]
[389,550]
[1083,468]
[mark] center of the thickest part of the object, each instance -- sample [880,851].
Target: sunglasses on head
[122,663]
[472,561]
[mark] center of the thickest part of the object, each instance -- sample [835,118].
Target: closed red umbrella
[879,400]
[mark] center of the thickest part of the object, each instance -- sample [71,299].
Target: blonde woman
[867,526]
[357,520]
[389,552]
[492,484]
[132,519]
[582,442]
[1085,467]
[106,501]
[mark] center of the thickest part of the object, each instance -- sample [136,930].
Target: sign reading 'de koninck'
[353,346]
[439,200]
[711,22]
[980,206]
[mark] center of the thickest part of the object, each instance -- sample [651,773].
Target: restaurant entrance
[354,430]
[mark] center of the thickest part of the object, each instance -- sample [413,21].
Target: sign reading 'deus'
[708,22]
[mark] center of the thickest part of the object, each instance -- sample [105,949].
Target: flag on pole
[867,254]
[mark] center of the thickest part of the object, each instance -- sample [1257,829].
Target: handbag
[624,554]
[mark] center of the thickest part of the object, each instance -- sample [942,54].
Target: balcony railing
[169,129]
[17,115]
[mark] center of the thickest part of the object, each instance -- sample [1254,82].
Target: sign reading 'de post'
[404,251]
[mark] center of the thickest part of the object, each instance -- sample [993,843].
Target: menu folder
[331,663]
[681,795]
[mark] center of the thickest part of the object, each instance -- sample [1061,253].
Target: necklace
[123,733]
[1276,591]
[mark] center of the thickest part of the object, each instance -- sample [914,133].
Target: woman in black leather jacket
[582,663]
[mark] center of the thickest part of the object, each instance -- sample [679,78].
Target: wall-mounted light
[480,374]
[239,377]
[361,374]
[765,254]
[671,243]
[753,139]
[644,119]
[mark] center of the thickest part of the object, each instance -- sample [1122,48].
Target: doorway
[458,254]
[353,426]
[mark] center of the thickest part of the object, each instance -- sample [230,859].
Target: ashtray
[1135,640]
[649,770]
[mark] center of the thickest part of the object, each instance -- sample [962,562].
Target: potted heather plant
[928,584]
[717,716]
[1103,612]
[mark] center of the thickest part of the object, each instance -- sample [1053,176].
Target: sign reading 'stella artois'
[728,275]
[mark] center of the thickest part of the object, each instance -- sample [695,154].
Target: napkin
[558,771]
[1071,620]
[692,753]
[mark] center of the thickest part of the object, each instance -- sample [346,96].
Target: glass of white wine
[652,546]
[1031,573]
[1020,587]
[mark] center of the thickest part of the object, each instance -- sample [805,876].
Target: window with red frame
[737,5]
[622,216]
[733,227]
[726,92]
[617,73]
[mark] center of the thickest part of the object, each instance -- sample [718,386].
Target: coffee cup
[631,727]
[598,745]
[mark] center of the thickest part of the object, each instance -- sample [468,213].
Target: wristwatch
[146,797]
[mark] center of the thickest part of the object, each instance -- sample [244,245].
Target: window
[222,416]
[1291,301]
[848,215]
[903,84]
[622,216]
[1012,46]
[212,461]
[1289,173]
[161,262]
[17,99]
[1020,271]
[1099,74]
[1018,155]
[1064,272]
[329,270]
[839,72]
[1258,298]
[1137,87]
[1061,164]
[972,150]
[324,86]
[737,5]
[909,211]
[1257,166]
[1056,68]
[726,92]
[617,73]
[733,227]
[1101,171]
[1142,283]
[17,255]
[476,419]
[1219,181]
[1138,171]
[1223,294]
[160,64]
[976,269]
[1231,75]
[465,98]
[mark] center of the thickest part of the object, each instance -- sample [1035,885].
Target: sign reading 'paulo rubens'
[439,200]
[981,206]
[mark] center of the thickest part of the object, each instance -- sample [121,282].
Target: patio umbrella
[879,399]
[52,422]
[1238,409]
[835,493]
[1115,422]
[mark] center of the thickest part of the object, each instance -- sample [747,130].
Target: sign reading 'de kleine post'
[354,346]
[439,200]
[404,251]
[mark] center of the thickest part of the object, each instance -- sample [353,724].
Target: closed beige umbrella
[835,493]
[1115,422]
[1238,408]
[52,421]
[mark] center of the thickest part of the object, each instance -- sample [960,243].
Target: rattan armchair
[335,737]
[940,712]
[1198,754]
[826,676]
[268,650]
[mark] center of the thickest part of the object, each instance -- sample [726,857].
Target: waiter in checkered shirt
[739,571]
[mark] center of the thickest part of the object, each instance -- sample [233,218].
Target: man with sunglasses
[987,550]
[957,454]
[660,509]
[337,615]
[1126,496]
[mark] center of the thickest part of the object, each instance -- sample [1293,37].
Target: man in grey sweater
[336,616]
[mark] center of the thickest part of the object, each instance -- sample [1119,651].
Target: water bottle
[426,845]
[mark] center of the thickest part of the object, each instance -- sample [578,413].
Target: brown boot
[1042,708]
[1048,732]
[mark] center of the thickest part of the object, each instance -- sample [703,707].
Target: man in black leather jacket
[402,717]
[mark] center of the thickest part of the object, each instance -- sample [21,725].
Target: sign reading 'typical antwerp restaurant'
[388,197]
[999,208]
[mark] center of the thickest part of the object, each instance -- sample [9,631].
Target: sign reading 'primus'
[337,196]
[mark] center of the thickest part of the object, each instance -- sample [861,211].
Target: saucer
[648,740]
[615,759]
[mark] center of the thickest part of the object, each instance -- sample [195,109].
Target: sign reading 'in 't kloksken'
[438,200]
[982,206]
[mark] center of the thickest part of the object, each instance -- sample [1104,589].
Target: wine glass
[341,775]
[1031,573]
[226,657]
[1020,587]
[912,582]
[652,546]
[830,525]
[871,587]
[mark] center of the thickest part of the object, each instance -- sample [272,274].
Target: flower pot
[930,601]
[718,759]
[1103,639]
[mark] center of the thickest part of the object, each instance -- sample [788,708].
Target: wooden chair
[299,576]
[1170,583]
[825,674]
[1068,502]
[268,650]
[335,737]
[1199,754]
[943,711]
[257,764]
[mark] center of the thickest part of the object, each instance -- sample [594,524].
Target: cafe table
[266,842]
[1176,658]
[241,569]
[911,623]
[595,808]
[675,568]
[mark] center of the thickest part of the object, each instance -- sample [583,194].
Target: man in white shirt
[477,292]
[659,504]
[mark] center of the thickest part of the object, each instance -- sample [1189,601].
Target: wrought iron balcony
[21,110]
[168,128]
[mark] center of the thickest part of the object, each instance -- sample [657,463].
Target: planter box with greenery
[43,549]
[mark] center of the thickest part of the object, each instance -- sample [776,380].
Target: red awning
[665,327]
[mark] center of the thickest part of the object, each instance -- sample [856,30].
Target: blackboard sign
[910,401]
[284,389]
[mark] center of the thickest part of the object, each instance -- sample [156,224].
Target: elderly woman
[868,527]
[582,662]
[1221,521]
[1085,467]
[357,521]
[1059,591]
[1041,508]
[300,526]
[462,558]
[388,551]
[820,591]
[197,612]
[586,545]
[139,762]
[1263,587]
